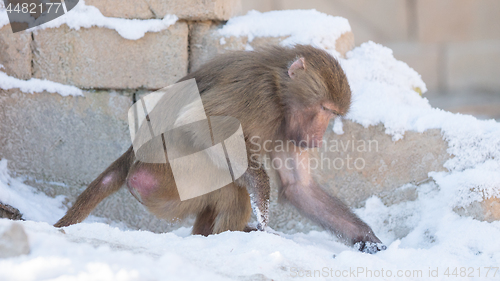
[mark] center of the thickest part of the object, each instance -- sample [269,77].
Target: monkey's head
[317,90]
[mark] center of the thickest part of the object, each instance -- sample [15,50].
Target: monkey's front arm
[299,188]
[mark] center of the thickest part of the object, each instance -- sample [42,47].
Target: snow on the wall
[35,85]
[88,16]
[302,27]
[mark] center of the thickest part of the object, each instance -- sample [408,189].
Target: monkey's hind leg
[233,210]
[204,224]
[107,183]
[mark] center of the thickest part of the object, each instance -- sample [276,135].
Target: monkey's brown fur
[254,87]
[277,94]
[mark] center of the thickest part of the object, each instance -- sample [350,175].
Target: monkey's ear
[296,65]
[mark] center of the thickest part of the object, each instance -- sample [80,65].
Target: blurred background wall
[453,44]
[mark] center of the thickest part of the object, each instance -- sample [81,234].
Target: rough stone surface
[15,53]
[9,212]
[61,144]
[382,165]
[101,58]
[13,241]
[206,42]
[486,210]
[189,10]
[66,139]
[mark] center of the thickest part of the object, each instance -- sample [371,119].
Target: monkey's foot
[369,247]
[267,229]
[249,229]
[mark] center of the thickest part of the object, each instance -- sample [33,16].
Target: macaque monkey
[278,94]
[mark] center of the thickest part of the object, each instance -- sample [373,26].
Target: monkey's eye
[329,110]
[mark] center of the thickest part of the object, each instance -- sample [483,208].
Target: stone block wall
[60,144]
[15,53]
[99,58]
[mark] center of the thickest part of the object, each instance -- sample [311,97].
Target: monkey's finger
[369,247]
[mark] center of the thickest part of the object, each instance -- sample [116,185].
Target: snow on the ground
[440,240]
[32,204]
[88,16]
[438,243]
[37,85]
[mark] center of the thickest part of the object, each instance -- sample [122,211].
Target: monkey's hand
[300,189]
[369,247]
[366,241]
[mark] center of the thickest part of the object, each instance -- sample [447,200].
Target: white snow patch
[302,27]
[382,89]
[33,204]
[35,85]
[338,126]
[462,188]
[439,239]
[88,16]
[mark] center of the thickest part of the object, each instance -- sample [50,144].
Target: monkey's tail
[107,183]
